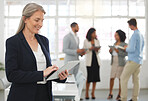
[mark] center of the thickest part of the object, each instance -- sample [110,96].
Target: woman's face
[93,35]
[35,22]
[117,36]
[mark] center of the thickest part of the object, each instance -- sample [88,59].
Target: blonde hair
[28,11]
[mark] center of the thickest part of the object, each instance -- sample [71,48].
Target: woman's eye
[37,20]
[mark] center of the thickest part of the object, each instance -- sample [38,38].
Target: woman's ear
[24,19]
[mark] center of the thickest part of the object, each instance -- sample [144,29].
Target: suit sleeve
[66,49]
[13,72]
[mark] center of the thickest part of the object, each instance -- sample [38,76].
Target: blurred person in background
[72,52]
[135,60]
[92,47]
[118,61]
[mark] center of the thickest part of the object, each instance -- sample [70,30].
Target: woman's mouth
[38,28]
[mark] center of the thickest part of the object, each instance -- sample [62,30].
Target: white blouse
[114,52]
[41,62]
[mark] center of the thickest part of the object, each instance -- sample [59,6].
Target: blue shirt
[135,47]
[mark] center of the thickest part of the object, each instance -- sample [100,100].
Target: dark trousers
[42,93]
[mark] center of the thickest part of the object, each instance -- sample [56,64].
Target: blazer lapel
[88,43]
[27,45]
[74,39]
[48,60]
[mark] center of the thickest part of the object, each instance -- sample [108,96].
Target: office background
[106,16]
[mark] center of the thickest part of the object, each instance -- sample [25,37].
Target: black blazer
[21,67]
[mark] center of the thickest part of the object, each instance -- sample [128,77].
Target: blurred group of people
[120,67]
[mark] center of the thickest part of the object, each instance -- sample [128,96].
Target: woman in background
[117,61]
[27,59]
[92,45]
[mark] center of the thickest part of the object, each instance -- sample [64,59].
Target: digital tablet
[68,66]
[120,47]
[111,47]
[97,47]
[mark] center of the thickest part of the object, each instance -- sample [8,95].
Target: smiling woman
[35,22]
[28,61]
[28,11]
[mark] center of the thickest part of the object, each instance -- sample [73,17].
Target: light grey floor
[101,95]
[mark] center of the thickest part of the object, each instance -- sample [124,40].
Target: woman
[118,61]
[92,45]
[28,62]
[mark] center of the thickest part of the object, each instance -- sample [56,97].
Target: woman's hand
[125,47]
[50,69]
[116,50]
[63,75]
[97,49]
[92,48]
[80,51]
[110,50]
[83,53]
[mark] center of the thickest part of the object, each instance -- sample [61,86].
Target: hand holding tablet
[58,74]
[63,75]
[49,70]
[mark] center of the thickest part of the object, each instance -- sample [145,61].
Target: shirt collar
[136,30]
[73,33]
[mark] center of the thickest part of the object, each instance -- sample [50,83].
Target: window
[136,8]
[102,7]
[48,30]
[84,7]
[106,16]
[66,7]
[119,8]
